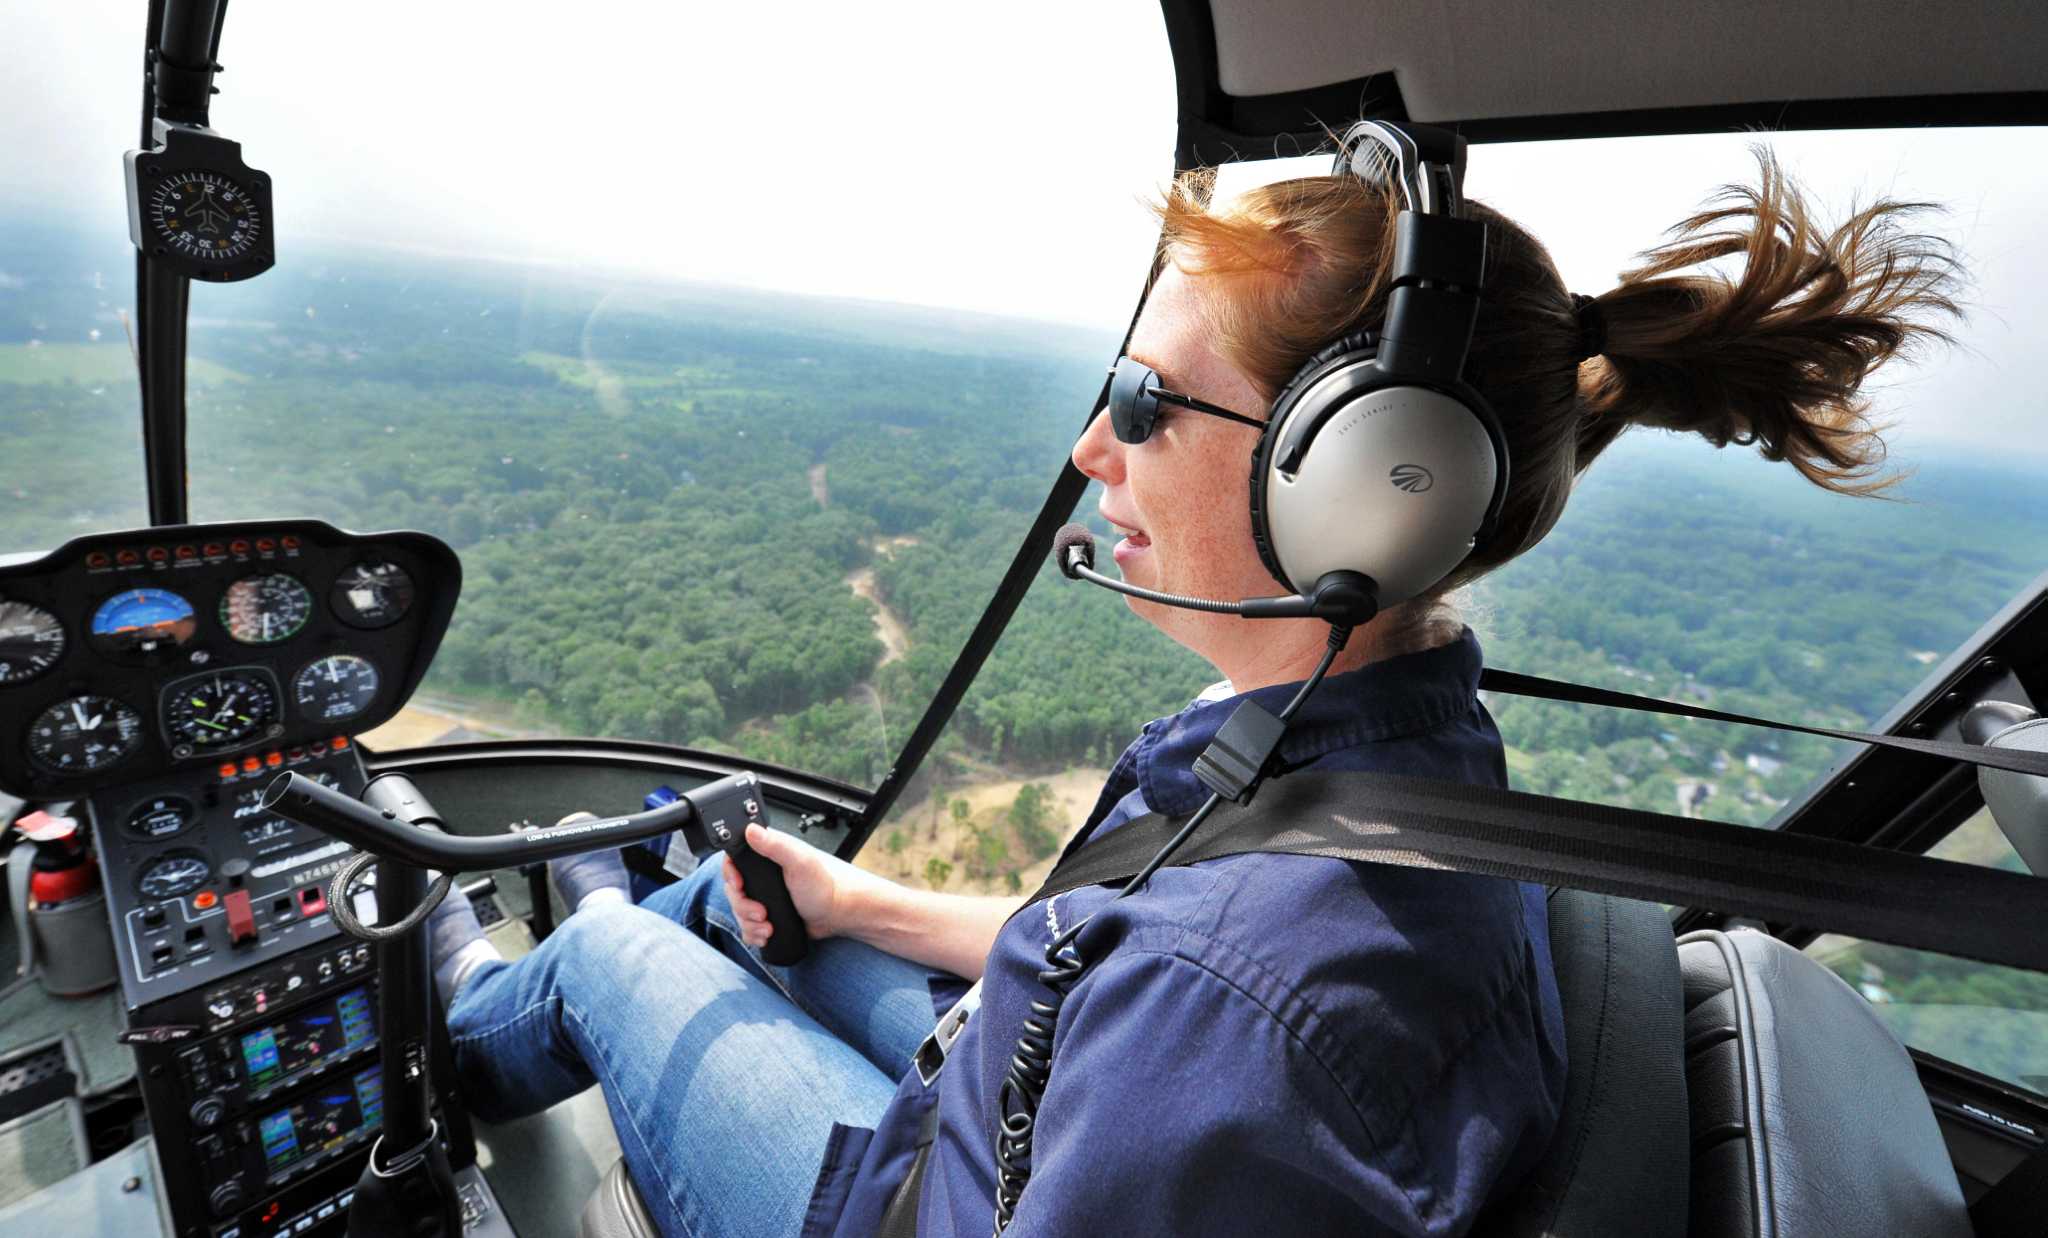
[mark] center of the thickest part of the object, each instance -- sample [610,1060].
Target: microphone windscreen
[1071,537]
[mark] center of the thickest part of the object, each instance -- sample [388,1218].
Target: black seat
[1617,1164]
[1807,1115]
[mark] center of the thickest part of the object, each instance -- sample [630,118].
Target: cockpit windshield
[736,395]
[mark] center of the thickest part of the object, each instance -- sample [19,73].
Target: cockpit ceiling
[1279,69]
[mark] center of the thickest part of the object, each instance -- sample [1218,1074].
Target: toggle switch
[241,920]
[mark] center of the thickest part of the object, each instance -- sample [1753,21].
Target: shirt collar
[1403,695]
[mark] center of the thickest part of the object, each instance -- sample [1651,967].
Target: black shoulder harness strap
[1906,900]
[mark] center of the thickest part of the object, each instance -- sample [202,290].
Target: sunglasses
[1135,396]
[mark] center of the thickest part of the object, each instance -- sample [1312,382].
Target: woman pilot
[1260,1043]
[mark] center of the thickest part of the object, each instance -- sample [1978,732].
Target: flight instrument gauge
[372,594]
[263,610]
[336,687]
[31,641]
[166,816]
[196,209]
[218,711]
[143,621]
[173,874]
[84,735]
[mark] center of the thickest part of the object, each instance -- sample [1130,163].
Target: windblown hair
[1773,355]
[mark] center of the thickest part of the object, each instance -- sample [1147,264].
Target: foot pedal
[34,1078]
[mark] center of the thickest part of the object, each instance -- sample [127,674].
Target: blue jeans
[724,1075]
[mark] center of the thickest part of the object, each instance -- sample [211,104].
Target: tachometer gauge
[263,610]
[372,594]
[173,874]
[222,710]
[31,641]
[335,687]
[84,735]
[143,621]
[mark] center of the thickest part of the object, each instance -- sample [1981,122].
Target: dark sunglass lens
[1132,408]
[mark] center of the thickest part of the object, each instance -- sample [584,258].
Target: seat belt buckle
[930,1057]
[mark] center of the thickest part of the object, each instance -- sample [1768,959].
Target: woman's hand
[831,895]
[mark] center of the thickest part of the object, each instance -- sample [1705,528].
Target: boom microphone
[1077,538]
[1339,597]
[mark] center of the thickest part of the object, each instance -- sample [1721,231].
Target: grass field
[104,362]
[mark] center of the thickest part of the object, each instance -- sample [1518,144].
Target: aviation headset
[1378,457]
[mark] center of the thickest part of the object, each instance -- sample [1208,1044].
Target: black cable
[344,911]
[1031,1063]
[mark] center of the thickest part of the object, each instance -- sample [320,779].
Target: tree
[1028,814]
[936,871]
[894,845]
[1014,882]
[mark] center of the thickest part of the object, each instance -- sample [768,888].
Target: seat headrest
[1807,1115]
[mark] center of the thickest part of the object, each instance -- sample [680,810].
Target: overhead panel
[1252,71]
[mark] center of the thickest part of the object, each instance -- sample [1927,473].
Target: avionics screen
[322,1121]
[313,1035]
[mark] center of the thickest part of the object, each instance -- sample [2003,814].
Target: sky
[772,146]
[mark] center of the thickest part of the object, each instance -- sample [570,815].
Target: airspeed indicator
[31,641]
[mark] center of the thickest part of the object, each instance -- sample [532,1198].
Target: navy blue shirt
[1262,1043]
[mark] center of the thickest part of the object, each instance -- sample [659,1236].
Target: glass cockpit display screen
[314,1035]
[322,1121]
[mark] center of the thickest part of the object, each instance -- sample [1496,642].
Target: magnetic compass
[196,208]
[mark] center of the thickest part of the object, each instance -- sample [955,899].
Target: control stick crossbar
[298,798]
[405,829]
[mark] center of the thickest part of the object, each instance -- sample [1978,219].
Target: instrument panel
[124,656]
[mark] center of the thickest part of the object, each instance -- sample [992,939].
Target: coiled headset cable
[1030,1069]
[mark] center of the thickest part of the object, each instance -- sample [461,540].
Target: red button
[127,557]
[97,558]
[250,765]
[273,759]
[239,546]
[157,554]
[265,545]
[214,550]
[204,900]
[291,543]
[188,552]
[312,900]
[340,742]
[227,769]
[241,923]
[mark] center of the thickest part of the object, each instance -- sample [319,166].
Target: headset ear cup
[1359,347]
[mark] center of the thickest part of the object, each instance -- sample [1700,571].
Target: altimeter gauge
[196,208]
[31,641]
[84,735]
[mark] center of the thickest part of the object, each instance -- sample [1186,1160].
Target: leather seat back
[1617,1164]
[1807,1115]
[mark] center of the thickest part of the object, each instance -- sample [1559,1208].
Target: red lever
[241,921]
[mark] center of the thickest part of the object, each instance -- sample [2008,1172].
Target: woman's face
[1181,497]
